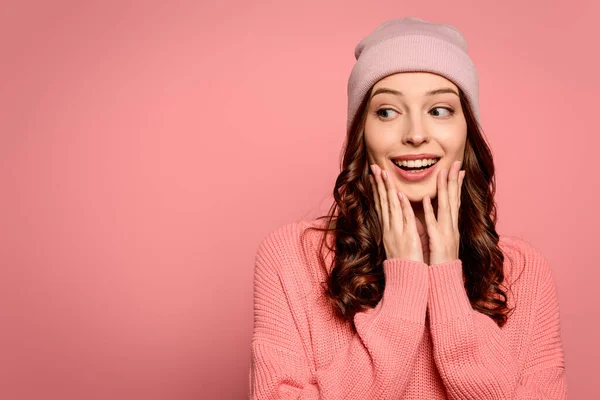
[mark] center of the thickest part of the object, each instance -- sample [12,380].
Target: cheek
[379,142]
[454,143]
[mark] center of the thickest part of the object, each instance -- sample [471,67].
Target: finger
[442,196]
[385,175]
[396,219]
[453,194]
[376,197]
[460,186]
[385,213]
[430,221]
[408,215]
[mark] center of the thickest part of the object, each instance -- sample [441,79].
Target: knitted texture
[423,340]
[412,44]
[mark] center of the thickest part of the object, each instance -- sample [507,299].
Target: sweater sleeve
[471,353]
[376,363]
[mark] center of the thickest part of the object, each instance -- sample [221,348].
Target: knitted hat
[412,44]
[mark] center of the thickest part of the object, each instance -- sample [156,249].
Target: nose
[416,132]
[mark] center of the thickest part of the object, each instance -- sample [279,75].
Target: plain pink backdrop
[147,148]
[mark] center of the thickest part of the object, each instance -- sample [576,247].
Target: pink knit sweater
[423,340]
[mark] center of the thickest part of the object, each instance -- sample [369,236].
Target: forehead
[414,82]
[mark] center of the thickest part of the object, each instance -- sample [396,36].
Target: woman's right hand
[400,236]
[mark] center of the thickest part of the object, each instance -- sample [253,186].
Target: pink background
[147,148]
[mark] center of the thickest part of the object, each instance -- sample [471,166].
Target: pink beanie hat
[412,44]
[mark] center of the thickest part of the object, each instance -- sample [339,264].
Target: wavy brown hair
[356,281]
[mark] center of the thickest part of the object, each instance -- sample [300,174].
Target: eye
[448,110]
[385,110]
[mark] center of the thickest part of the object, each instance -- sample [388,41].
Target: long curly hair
[357,282]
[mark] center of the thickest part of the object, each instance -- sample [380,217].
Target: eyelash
[450,110]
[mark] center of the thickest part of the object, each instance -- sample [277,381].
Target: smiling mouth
[416,169]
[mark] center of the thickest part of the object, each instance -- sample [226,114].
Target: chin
[419,197]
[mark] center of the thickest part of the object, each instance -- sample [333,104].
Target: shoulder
[524,264]
[530,286]
[289,248]
[284,238]
[521,251]
[277,242]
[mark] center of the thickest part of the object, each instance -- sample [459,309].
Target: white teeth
[416,163]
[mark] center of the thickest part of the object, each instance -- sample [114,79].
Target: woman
[414,300]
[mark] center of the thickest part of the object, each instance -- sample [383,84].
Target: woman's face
[414,122]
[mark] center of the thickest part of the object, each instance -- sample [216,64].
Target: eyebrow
[398,93]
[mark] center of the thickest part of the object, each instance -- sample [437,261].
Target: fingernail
[384,174]
[372,168]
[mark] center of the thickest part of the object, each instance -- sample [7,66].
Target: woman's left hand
[444,238]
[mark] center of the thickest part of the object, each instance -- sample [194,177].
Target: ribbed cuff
[406,284]
[447,294]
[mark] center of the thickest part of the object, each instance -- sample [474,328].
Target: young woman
[418,296]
